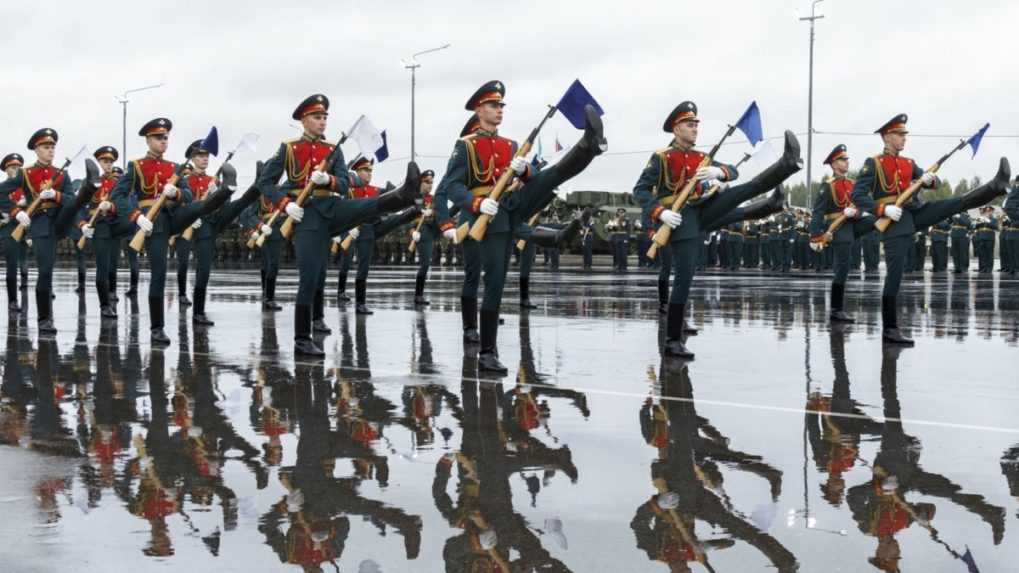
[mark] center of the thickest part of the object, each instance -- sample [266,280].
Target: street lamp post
[413,65]
[814,16]
[122,100]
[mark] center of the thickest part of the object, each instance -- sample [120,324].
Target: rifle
[413,246]
[883,223]
[661,237]
[19,232]
[477,231]
[521,244]
[247,142]
[138,242]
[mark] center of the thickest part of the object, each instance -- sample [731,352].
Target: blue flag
[211,142]
[572,104]
[382,153]
[750,124]
[974,141]
[967,557]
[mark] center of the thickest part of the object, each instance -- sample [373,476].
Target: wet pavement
[785,445]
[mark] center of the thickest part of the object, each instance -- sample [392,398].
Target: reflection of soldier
[688,484]
[880,507]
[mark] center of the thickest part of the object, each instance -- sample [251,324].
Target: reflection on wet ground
[787,445]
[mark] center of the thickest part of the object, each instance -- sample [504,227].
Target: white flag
[367,136]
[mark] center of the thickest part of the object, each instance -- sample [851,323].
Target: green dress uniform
[1003,247]
[1011,226]
[327,212]
[962,224]
[477,162]
[429,232]
[666,173]
[763,259]
[139,189]
[11,248]
[939,245]
[50,221]
[108,231]
[259,213]
[880,181]
[983,242]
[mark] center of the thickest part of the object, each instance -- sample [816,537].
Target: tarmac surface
[785,445]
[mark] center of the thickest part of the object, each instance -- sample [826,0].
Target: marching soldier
[983,239]
[256,220]
[666,173]
[207,227]
[11,163]
[477,162]
[620,227]
[834,200]
[961,226]
[325,213]
[587,238]
[56,211]
[1011,225]
[146,180]
[939,245]
[736,240]
[881,180]
[424,237]
[1004,251]
[104,229]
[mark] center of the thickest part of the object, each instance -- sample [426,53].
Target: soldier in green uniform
[255,220]
[146,180]
[939,245]
[986,225]
[1004,251]
[11,248]
[764,239]
[881,180]
[961,226]
[57,210]
[106,232]
[424,237]
[751,244]
[1011,226]
[666,173]
[833,201]
[477,162]
[326,212]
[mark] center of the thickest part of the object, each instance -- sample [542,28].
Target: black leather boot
[405,195]
[360,297]
[525,294]
[663,296]
[419,292]
[838,294]
[157,321]
[199,317]
[469,317]
[106,310]
[989,191]
[591,145]
[318,324]
[543,236]
[270,293]
[303,344]
[674,346]
[488,359]
[890,333]
[44,306]
[788,164]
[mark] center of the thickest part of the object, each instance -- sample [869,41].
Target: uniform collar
[308,137]
[675,145]
[150,155]
[486,133]
[40,165]
[889,153]
[197,172]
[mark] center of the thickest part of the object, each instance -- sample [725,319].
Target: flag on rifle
[211,142]
[974,141]
[367,136]
[750,124]
[571,105]
[967,558]
[382,153]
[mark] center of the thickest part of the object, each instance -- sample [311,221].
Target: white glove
[816,246]
[490,207]
[450,234]
[415,236]
[488,539]
[337,239]
[850,212]
[295,211]
[518,165]
[671,218]
[197,224]
[212,188]
[28,242]
[320,178]
[710,173]
[722,185]
[927,178]
[355,232]
[24,219]
[22,202]
[295,501]
[668,500]
[144,224]
[105,206]
[88,230]
[892,212]
[426,213]
[48,195]
[265,229]
[170,191]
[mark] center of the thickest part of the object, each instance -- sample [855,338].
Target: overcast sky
[243,66]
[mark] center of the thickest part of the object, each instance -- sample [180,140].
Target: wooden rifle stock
[348,241]
[138,242]
[288,225]
[883,223]
[413,246]
[19,232]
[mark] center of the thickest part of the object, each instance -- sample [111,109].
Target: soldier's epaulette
[469,137]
